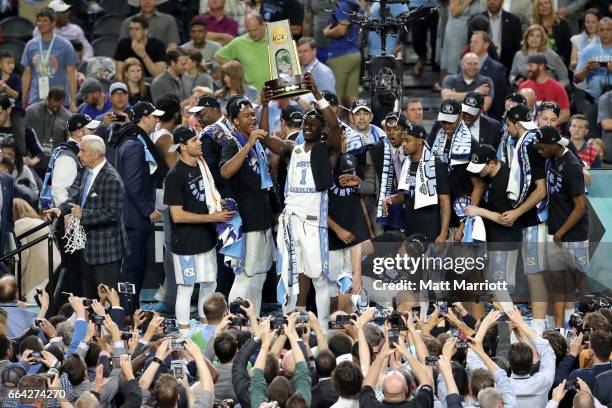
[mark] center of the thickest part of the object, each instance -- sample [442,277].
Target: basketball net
[74,235]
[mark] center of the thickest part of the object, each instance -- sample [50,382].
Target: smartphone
[302,318]
[586,335]
[36,322]
[393,337]
[416,312]
[176,344]
[126,288]
[176,369]
[570,385]
[37,297]
[126,336]
[443,307]
[36,356]
[503,317]
[169,324]
[570,336]
[87,302]
[431,360]
[99,320]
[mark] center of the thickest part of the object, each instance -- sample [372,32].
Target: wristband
[157,360]
[323,103]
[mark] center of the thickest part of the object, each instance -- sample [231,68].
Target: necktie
[88,183]
[398,163]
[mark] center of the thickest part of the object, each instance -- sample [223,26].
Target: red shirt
[226,25]
[550,90]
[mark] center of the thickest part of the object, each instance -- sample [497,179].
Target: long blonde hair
[21,209]
[544,42]
[536,17]
[129,62]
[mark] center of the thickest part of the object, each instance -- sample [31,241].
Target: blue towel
[461,146]
[474,230]
[257,153]
[148,156]
[356,144]
[344,282]
[505,151]
[233,244]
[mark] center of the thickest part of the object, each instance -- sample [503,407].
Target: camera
[277,322]
[177,370]
[575,321]
[240,321]
[169,324]
[126,336]
[380,316]
[395,317]
[302,318]
[593,303]
[234,307]
[340,322]
[87,302]
[36,356]
[126,288]
[393,337]
[431,360]
[176,344]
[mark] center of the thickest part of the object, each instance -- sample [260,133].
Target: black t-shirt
[346,210]
[245,187]
[538,172]
[155,49]
[184,186]
[496,199]
[425,220]
[275,10]
[565,181]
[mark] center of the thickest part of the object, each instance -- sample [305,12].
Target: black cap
[472,103]
[204,102]
[142,109]
[417,131]
[360,104]
[449,110]
[550,105]
[538,58]
[516,97]
[236,105]
[330,97]
[79,121]
[395,119]
[180,136]
[293,115]
[521,113]
[481,156]
[550,135]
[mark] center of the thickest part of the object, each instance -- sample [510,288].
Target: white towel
[425,191]
[213,198]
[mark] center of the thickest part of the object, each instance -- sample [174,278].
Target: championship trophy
[285,70]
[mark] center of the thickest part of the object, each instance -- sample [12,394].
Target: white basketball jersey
[302,197]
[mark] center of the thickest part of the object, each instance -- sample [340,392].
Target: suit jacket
[588,375]
[138,184]
[603,388]
[498,74]
[324,395]
[102,216]
[490,131]
[511,37]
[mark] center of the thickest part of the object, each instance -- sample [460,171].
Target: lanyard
[44,59]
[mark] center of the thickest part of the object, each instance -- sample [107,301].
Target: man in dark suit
[140,166]
[97,201]
[600,348]
[506,32]
[483,128]
[323,393]
[603,388]
[479,44]
[6,216]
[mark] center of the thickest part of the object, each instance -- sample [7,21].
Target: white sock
[538,326]
[183,303]
[566,315]
[550,322]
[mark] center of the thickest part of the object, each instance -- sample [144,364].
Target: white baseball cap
[59,6]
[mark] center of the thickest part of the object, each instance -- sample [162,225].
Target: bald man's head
[530,97]
[8,289]
[289,363]
[255,27]
[395,388]
[470,65]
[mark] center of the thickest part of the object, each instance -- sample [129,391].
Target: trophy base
[284,89]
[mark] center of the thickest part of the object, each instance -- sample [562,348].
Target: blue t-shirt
[62,54]
[374,39]
[349,42]
[596,80]
[93,110]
